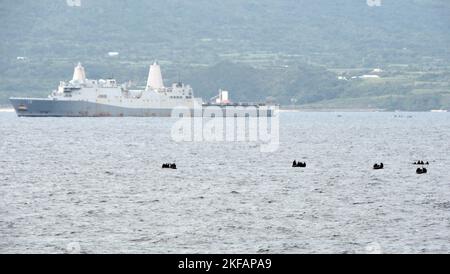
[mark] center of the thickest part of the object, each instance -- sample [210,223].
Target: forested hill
[293,50]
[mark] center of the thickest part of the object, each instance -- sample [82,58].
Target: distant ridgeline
[316,54]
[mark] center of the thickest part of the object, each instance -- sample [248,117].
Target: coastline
[294,109]
[10,110]
[288,109]
[306,109]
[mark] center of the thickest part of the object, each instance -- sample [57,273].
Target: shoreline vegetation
[312,55]
[299,86]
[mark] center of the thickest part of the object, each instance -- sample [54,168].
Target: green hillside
[292,50]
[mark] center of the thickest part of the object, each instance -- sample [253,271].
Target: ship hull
[26,107]
[58,108]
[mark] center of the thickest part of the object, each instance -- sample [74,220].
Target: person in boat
[378,166]
[421,170]
[298,164]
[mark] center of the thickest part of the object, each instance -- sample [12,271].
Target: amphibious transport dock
[82,97]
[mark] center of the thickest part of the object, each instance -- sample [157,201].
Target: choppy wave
[96,185]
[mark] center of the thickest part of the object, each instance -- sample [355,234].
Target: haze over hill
[308,53]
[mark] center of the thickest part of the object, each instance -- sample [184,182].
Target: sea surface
[95,185]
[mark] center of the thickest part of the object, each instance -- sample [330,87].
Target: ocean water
[95,185]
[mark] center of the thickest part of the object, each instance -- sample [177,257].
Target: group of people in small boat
[378,166]
[421,170]
[298,164]
[172,166]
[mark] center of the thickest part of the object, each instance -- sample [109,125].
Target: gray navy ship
[82,97]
